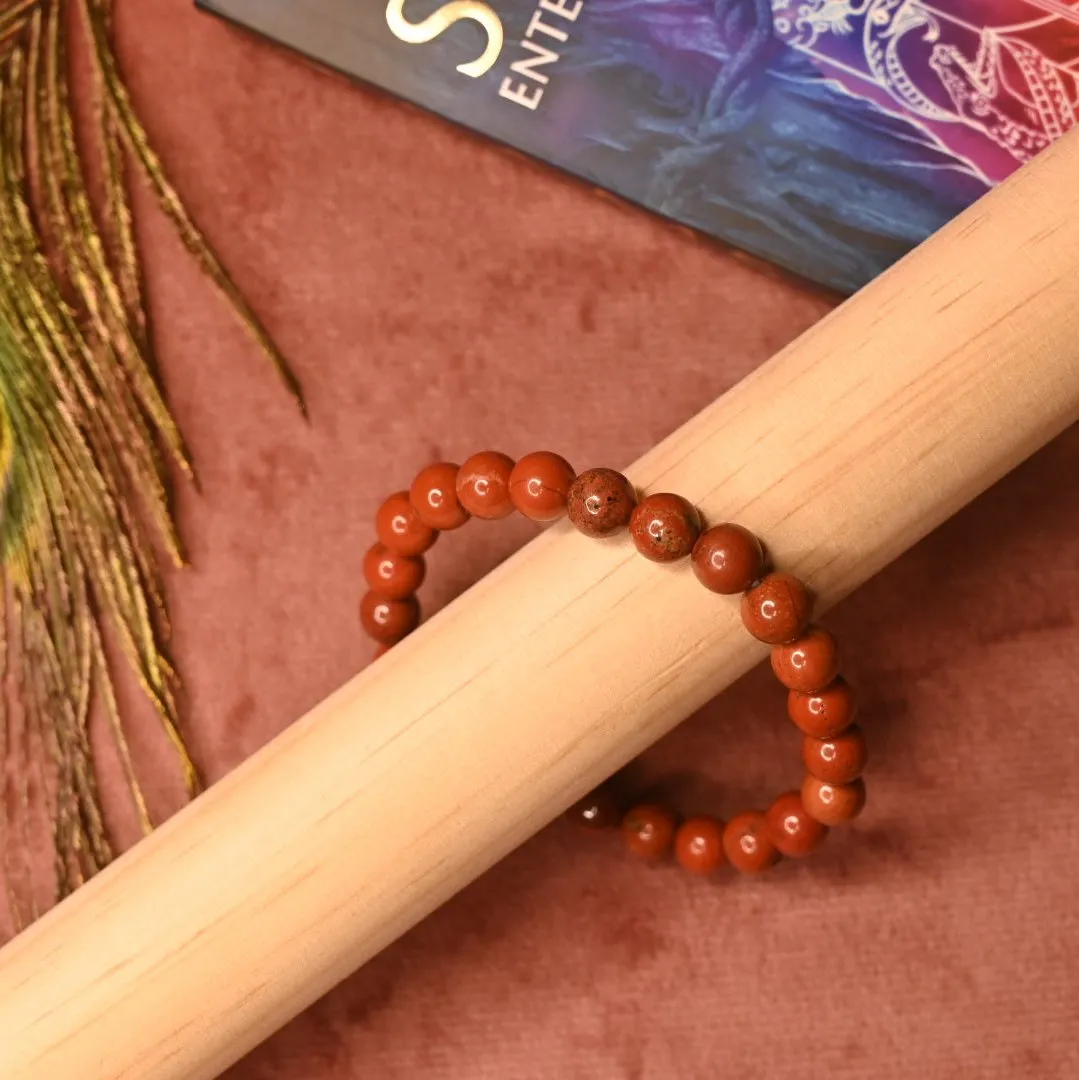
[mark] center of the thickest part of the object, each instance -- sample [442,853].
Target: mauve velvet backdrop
[438,296]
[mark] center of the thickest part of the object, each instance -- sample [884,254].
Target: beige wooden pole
[415,777]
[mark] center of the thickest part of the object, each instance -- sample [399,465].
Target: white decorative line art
[822,17]
[977,91]
[1016,86]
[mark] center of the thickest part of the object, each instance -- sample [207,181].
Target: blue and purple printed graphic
[829,136]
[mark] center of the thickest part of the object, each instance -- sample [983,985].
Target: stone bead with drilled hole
[600,502]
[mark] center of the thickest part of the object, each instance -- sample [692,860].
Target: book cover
[827,136]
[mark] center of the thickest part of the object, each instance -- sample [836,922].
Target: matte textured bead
[727,559]
[597,810]
[648,831]
[747,844]
[833,804]
[399,526]
[600,502]
[539,485]
[391,575]
[388,621]
[698,845]
[808,663]
[790,827]
[434,495]
[665,527]
[777,609]
[825,713]
[837,760]
[483,485]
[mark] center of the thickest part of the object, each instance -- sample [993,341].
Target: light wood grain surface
[548,675]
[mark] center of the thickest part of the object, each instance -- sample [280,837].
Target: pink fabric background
[439,295]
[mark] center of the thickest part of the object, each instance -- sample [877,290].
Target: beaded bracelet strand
[726,559]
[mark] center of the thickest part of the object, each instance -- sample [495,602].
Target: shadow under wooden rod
[552,672]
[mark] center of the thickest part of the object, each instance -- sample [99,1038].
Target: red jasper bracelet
[726,559]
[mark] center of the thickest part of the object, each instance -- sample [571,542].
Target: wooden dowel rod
[552,672]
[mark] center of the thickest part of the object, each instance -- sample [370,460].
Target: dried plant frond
[86,438]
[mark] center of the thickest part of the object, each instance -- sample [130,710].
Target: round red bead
[600,502]
[648,831]
[391,575]
[833,804]
[825,713]
[837,760]
[727,559]
[399,526]
[665,527]
[388,621]
[776,609]
[698,845]
[790,827]
[809,663]
[747,844]
[597,810]
[483,485]
[539,485]
[434,495]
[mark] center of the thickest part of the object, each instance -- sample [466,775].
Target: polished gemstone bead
[727,559]
[434,495]
[391,575]
[837,760]
[597,810]
[388,621]
[747,844]
[809,663]
[399,526]
[698,845]
[665,527]
[776,609]
[833,804]
[539,485]
[648,831]
[790,827]
[483,485]
[601,502]
[825,713]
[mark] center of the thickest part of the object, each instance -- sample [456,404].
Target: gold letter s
[441,20]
